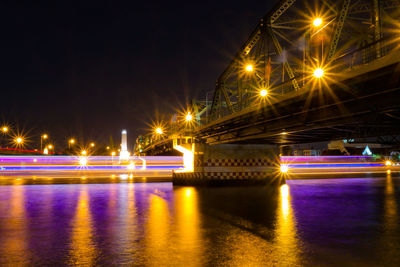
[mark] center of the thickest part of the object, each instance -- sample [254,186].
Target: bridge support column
[232,165]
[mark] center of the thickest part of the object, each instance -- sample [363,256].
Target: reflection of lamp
[284,190]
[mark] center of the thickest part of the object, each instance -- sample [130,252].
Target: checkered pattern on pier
[221,175]
[234,163]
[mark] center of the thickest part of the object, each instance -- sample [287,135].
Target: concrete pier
[227,164]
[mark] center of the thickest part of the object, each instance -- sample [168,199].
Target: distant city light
[317,22]
[108,148]
[249,68]
[71,141]
[44,136]
[318,73]
[50,146]
[263,92]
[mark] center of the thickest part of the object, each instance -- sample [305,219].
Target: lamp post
[43,136]
[51,147]
[4,131]
[71,142]
[316,26]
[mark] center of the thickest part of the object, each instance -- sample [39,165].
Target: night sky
[89,72]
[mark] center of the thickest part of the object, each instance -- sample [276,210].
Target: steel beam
[338,29]
[285,63]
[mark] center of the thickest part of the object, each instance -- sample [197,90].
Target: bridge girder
[285,49]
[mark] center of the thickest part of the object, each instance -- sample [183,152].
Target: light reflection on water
[82,247]
[313,222]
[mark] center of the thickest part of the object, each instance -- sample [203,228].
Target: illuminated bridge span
[310,71]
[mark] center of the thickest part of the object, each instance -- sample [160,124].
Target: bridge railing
[366,54]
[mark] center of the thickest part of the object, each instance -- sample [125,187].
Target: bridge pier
[225,165]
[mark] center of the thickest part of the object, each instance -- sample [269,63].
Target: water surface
[318,223]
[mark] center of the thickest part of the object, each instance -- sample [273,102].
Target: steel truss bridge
[311,70]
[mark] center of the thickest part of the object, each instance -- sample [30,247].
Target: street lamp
[317,22]
[92,144]
[4,129]
[249,68]
[284,168]
[189,117]
[71,142]
[19,141]
[159,130]
[83,152]
[318,73]
[263,92]
[43,136]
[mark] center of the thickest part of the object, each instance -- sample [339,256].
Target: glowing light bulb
[4,129]
[284,168]
[84,152]
[317,22]
[189,117]
[263,92]
[249,68]
[388,163]
[318,73]
[159,130]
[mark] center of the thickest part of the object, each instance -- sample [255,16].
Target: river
[319,222]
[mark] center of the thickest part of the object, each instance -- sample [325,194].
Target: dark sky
[91,71]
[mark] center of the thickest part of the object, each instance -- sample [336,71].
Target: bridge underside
[365,105]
